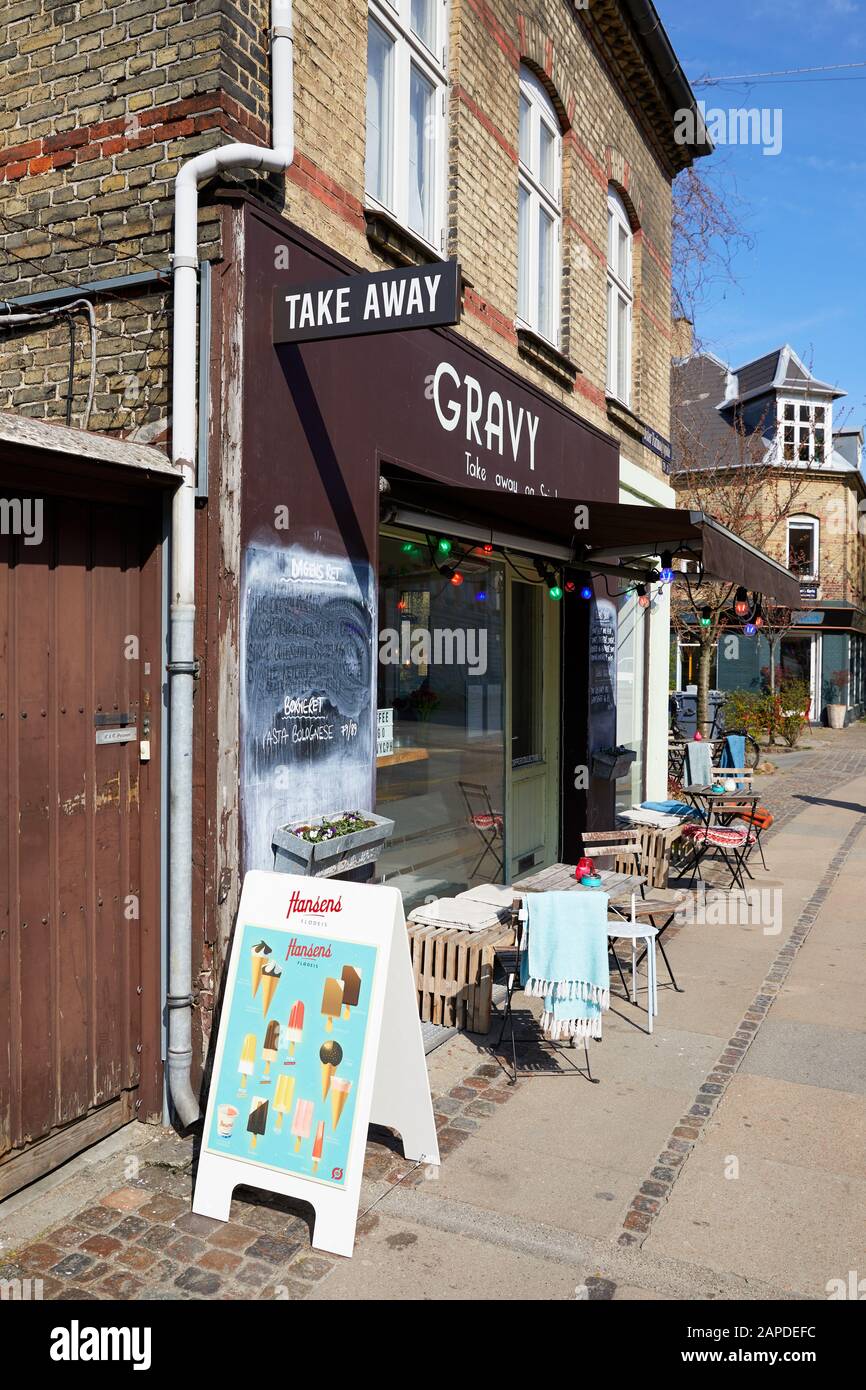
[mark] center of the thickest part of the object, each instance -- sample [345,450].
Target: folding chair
[758,818]
[488,823]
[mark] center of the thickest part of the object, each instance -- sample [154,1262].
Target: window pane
[547,170]
[611,338]
[423,21]
[611,239]
[789,410]
[422,157]
[545,274]
[525,657]
[523,252]
[623,256]
[379,112]
[622,363]
[525,124]
[801,545]
[819,413]
[804,412]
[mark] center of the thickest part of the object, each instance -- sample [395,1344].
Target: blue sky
[805,207]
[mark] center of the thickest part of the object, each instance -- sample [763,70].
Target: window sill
[543,355]
[625,417]
[395,242]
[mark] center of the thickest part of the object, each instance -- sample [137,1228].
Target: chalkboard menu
[602,674]
[307,712]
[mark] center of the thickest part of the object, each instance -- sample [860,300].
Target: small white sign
[384,732]
[116,735]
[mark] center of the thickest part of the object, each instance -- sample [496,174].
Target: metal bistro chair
[758,818]
[635,852]
[488,823]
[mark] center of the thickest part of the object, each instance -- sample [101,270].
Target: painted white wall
[638,487]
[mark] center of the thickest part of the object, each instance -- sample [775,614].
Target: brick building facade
[101,105]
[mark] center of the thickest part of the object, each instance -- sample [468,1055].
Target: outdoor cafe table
[717,809]
[619,888]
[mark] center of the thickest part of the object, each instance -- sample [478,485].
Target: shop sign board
[382,301]
[319,1036]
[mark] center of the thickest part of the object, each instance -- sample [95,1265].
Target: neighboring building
[790,418]
[536,147]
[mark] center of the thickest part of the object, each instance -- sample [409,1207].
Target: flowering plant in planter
[333,827]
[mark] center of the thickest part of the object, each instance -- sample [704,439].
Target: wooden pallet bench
[453,970]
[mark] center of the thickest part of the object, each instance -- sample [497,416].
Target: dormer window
[804,432]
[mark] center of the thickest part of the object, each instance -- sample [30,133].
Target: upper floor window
[539,219]
[406,98]
[620,297]
[804,431]
[803,532]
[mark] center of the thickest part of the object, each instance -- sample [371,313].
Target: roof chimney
[682,337]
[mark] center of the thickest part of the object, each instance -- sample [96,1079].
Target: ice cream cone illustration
[318,1143]
[332,1001]
[301,1122]
[351,988]
[257,1122]
[248,1059]
[283,1099]
[260,955]
[270,979]
[339,1095]
[296,1028]
[269,1051]
[330,1056]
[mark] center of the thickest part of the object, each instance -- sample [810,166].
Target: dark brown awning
[583,533]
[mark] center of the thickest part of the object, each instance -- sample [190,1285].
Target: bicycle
[716,739]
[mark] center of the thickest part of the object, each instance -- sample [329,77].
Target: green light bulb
[443,545]
[555,591]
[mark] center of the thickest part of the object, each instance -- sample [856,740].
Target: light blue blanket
[671,808]
[734,753]
[564,960]
[699,764]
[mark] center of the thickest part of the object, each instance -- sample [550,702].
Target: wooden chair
[625,847]
[759,819]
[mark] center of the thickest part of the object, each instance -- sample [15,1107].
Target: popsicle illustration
[351,988]
[260,955]
[257,1123]
[332,1001]
[330,1056]
[296,1028]
[283,1098]
[302,1121]
[339,1095]
[317,1144]
[269,1051]
[270,979]
[248,1059]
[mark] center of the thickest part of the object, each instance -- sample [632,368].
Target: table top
[559,878]
[722,795]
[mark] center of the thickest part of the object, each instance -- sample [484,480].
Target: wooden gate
[80,674]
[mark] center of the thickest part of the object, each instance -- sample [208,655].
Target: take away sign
[385,301]
[319,1035]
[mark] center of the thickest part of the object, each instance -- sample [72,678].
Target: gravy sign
[385,301]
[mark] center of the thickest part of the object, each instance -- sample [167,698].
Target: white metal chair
[630,929]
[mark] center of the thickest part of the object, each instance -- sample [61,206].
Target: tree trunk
[705,662]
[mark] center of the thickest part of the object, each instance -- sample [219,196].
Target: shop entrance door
[532,723]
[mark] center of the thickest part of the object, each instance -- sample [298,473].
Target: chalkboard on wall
[307,700]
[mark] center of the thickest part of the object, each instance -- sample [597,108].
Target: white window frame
[804,430]
[620,290]
[394,19]
[542,113]
[806,523]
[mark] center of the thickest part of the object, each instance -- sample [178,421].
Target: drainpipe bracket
[282,31]
[184,668]
[179,262]
[180,1001]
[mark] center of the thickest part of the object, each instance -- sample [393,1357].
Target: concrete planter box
[325,858]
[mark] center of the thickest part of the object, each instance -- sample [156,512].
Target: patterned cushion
[723,836]
[483,821]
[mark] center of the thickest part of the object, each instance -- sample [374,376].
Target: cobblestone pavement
[141,1241]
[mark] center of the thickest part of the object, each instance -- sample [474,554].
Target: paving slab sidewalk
[554,1188]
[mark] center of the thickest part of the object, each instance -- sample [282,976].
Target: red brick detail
[521,32]
[654,319]
[307,175]
[500,36]
[591,163]
[591,392]
[663,265]
[485,121]
[482,309]
[14,153]
[548,57]
[587,240]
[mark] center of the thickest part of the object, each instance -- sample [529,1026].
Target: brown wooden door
[80,661]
